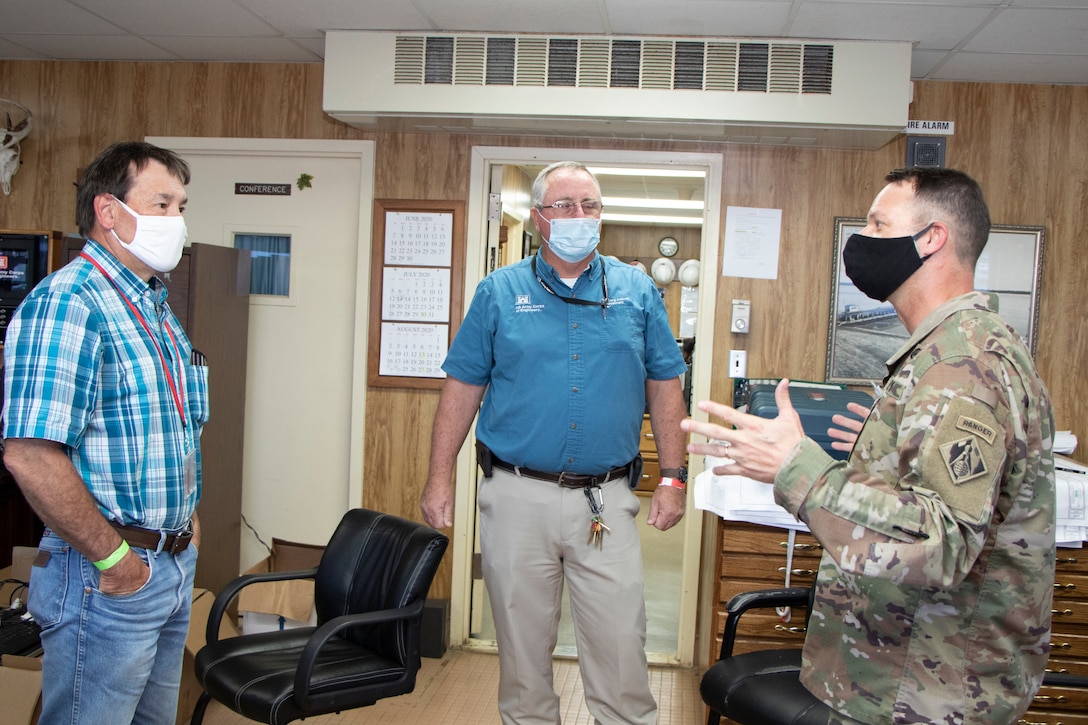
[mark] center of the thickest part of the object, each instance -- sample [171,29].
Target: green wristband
[116,556]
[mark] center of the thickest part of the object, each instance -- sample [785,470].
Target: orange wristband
[672,483]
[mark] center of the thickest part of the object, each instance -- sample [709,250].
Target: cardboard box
[190,689]
[21,559]
[266,606]
[20,677]
[21,689]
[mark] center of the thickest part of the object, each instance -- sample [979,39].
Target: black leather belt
[149,538]
[563,478]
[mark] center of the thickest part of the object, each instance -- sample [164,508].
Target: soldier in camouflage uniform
[933,599]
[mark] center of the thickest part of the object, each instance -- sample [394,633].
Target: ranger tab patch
[970,425]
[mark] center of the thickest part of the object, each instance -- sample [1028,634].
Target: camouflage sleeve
[915,501]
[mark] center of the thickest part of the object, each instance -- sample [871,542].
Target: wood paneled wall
[1027,146]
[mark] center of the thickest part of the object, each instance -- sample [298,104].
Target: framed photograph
[863,333]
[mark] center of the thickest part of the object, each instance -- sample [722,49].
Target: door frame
[364,152]
[483,157]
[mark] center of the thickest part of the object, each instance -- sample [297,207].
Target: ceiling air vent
[470,56]
[532,62]
[791,91]
[500,61]
[653,64]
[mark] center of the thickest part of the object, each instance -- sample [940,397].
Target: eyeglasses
[590,207]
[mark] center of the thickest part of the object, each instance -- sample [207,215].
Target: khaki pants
[533,536]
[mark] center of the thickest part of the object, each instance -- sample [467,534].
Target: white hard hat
[688,274]
[639,266]
[663,271]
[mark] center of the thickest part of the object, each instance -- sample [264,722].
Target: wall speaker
[925,151]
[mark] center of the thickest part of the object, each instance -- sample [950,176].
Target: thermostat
[739,318]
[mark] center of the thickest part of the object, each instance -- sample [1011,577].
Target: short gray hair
[540,183]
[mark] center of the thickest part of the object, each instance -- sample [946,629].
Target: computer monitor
[24,261]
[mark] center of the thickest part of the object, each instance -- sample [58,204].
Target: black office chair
[369,592]
[761,687]
[764,687]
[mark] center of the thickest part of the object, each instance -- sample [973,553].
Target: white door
[304,380]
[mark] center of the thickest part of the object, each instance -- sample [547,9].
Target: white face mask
[573,240]
[158,241]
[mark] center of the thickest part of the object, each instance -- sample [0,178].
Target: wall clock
[668,247]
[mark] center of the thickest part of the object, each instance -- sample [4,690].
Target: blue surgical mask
[572,240]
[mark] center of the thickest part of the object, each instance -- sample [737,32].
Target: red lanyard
[178,394]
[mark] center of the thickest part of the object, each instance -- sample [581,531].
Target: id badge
[190,472]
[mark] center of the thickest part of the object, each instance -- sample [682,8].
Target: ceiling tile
[94,47]
[931,27]
[723,18]
[530,16]
[308,19]
[922,62]
[1027,31]
[314,45]
[12,50]
[191,17]
[52,16]
[275,50]
[1010,68]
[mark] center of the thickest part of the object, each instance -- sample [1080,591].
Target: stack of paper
[1071,490]
[738,498]
[1065,441]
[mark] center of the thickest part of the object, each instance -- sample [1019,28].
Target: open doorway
[495,174]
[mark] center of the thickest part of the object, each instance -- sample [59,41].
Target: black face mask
[878,266]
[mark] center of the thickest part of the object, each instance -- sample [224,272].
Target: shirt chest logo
[524,303]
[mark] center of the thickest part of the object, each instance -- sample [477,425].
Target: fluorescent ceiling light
[637,171]
[651,219]
[635,203]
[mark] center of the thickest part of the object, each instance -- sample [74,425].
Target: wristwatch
[680,474]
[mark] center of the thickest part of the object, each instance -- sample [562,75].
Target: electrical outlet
[738,363]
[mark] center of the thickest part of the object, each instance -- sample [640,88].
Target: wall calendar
[416,278]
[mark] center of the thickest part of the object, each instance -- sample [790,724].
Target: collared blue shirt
[566,382]
[81,370]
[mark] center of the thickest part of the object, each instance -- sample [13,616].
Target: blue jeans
[110,659]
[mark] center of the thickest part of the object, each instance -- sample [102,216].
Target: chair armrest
[325,632]
[1065,679]
[227,594]
[766,598]
[758,599]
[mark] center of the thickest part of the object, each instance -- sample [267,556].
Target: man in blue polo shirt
[565,350]
[104,403]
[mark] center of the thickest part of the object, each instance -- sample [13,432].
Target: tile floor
[461,688]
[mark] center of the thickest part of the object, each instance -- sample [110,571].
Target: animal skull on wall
[17,121]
